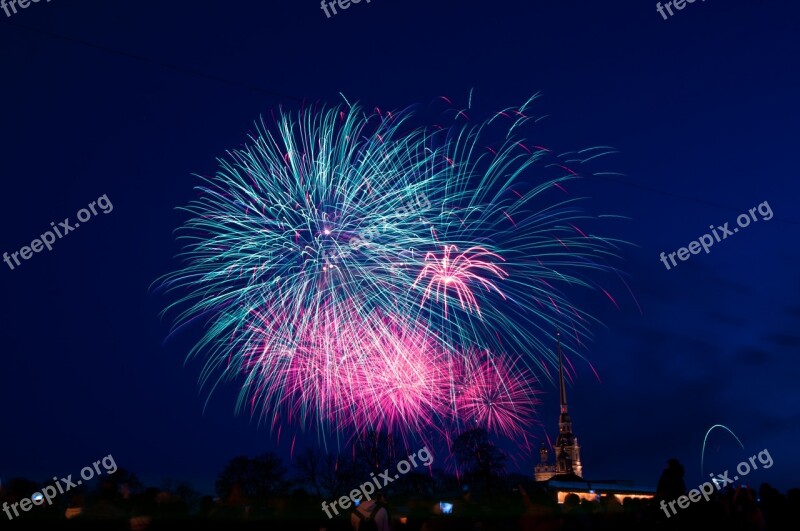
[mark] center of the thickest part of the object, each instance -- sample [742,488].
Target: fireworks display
[359,271]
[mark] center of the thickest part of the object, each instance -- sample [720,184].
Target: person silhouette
[670,487]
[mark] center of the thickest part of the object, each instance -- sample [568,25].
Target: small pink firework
[495,394]
[447,276]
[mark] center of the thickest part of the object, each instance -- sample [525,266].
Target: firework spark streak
[414,329]
[456,273]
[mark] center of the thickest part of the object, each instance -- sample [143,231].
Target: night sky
[130,99]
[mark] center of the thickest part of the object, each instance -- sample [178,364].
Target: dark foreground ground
[738,510]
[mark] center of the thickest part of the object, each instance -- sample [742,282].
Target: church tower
[567,452]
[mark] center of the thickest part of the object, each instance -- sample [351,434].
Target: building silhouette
[567,451]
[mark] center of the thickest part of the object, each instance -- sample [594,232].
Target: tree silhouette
[123,480]
[309,468]
[258,478]
[183,492]
[477,457]
[327,474]
[375,451]
[18,488]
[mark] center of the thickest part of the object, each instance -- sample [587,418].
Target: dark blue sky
[702,109]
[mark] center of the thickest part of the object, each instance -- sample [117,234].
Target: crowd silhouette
[252,493]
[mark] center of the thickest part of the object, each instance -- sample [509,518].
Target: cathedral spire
[566,451]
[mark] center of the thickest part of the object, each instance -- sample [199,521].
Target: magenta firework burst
[359,270]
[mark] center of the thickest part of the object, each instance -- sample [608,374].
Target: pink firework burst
[372,373]
[403,381]
[310,375]
[455,273]
[495,394]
